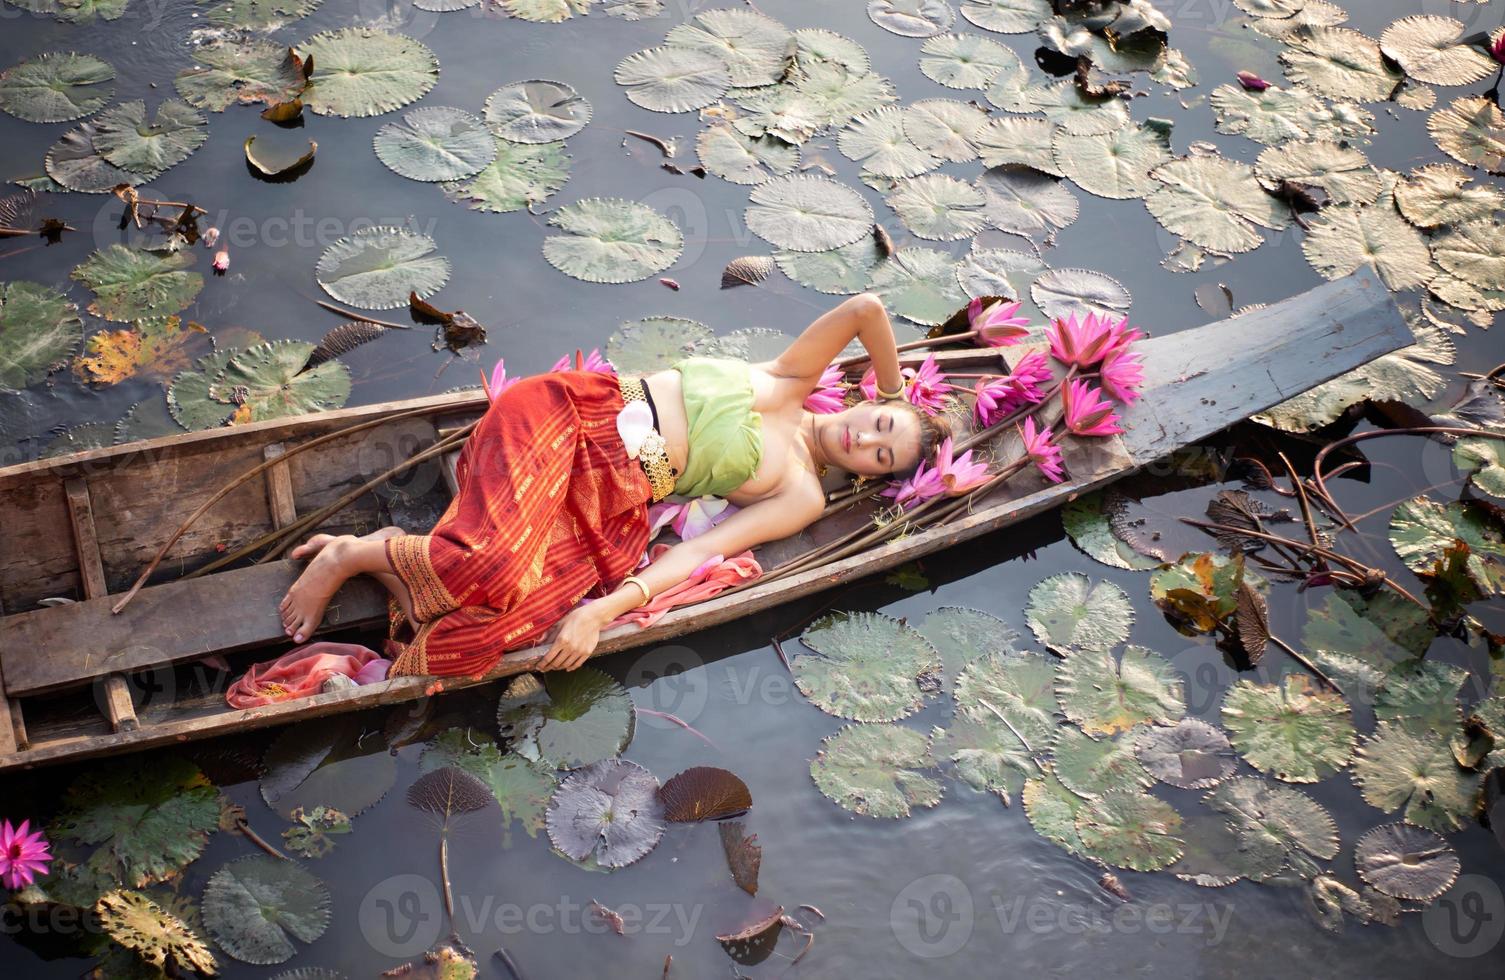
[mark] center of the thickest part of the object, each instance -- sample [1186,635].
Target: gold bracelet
[891,394]
[647,592]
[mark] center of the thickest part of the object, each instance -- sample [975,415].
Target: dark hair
[934,429]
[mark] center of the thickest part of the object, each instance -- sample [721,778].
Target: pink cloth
[302,671]
[714,576]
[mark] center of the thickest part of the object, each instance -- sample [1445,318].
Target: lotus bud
[1252,82]
[222,260]
[209,237]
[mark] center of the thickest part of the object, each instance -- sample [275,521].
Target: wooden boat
[78,681]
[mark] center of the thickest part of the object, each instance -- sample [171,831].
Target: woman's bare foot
[302,609]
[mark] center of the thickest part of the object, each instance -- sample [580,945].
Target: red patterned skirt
[550,509]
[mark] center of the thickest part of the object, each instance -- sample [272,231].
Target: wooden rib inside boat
[78,680]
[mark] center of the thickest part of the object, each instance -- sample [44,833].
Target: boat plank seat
[115,693]
[168,623]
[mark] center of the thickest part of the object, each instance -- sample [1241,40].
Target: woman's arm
[861,316]
[768,519]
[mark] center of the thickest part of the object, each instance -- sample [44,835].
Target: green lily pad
[805,213]
[244,71]
[964,60]
[131,285]
[124,137]
[1106,697]
[360,71]
[77,165]
[1116,164]
[39,330]
[545,11]
[1190,754]
[1297,731]
[1199,591]
[1482,459]
[1215,202]
[56,86]
[436,143]
[866,667]
[1021,140]
[255,907]
[1024,201]
[938,207]
[519,176]
[1400,770]
[1340,63]
[1406,862]
[876,770]
[1212,857]
[324,763]
[1422,530]
[150,819]
[75,11]
[840,271]
[1471,131]
[570,720]
[1278,115]
[521,786]
[1052,810]
[1279,829]
[918,284]
[985,753]
[1091,767]
[964,636]
[378,268]
[1003,272]
[1432,49]
[1086,521]
[1130,829]
[1421,695]
[1007,16]
[814,45]
[536,111]
[742,159]
[673,79]
[272,380]
[1062,293]
[1069,614]
[654,343]
[610,239]
[1342,171]
[147,419]
[1345,238]
[751,344]
[945,128]
[259,15]
[188,397]
[831,93]
[1357,640]
[754,49]
[1019,691]
[876,139]
[1471,251]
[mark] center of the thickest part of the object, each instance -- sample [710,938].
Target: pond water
[965,888]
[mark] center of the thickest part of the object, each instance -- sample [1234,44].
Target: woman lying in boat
[553,501]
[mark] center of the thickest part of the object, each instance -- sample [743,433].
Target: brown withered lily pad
[704,793]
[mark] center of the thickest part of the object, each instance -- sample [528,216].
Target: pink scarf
[302,671]
[714,576]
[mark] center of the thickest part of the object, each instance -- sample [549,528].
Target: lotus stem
[364,318]
[1303,661]
[449,898]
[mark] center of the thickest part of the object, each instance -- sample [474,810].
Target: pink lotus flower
[1044,453]
[926,388]
[924,484]
[1032,371]
[1497,48]
[1081,343]
[1252,82]
[997,325]
[592,362]
[499,382]
[23,854]
[996,398]
[830,392]
[1122,375]
[960,474]
[1087,414]
[222,260]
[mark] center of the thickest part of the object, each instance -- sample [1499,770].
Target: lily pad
[1342,171]
[1069,614]
[805,213]
[150,820]
[255,907]
[56,86]
[1116,164]
[378,268]
[153,933]
[613,240]
[1277,115]
[1344,238]
[918,284]
[124,137]
[755,49]
[1471,131]
[1215,202]
[1406,862]
[1340,63]
[323,763]
[1130,829]
[1358,640]
[1279,829]
[1062,293]
[1007,16]
[571,720]
[912,18]
[673,79]
[840,271]
[964,60]
[945,128]
[1191,754]
[1422,530]
[522,787]
[1024,201]
[1106,697]
[259,15]
[938,207]
[1421,695]
[1432,49]
[158,347]
[1091,767]
[436,143]
[876,139]
[132,285]
[545,11]
[985,753]
[704,793]
[814,45]
[1400,770]
[744,159]
[1472,252]
[1019,691]
[361,71]
[272,380]
[866,667]
[963,636]
[1199,591]
[536,111]
[188,397]
[998,272]
[1482,459]
[608,811]
[243,71]
[1086,521]
[39,330]
[656,342]
[1052,810]
[1296,731]
[876,770]
[1022,140]
[519,176]
[1443,194]
[77,165]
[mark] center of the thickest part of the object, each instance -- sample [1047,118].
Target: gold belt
[654,453]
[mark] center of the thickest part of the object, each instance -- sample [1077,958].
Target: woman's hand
[575,639]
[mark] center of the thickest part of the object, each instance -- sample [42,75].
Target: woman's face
[873,439]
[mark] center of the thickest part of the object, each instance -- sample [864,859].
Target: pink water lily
[928,388]
[1122,375]
[1086,342]
[995,398]
[997,324]
[1042,451]
[960,474]
[593,362]
[830,392]
[498,382]
[209,237]
[1252,82]
[1032,371]
[1497,48]
[924,484]
[689,518]
[24,854]
[221,260]
[1087,413]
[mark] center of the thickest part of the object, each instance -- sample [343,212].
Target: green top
[725,434]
